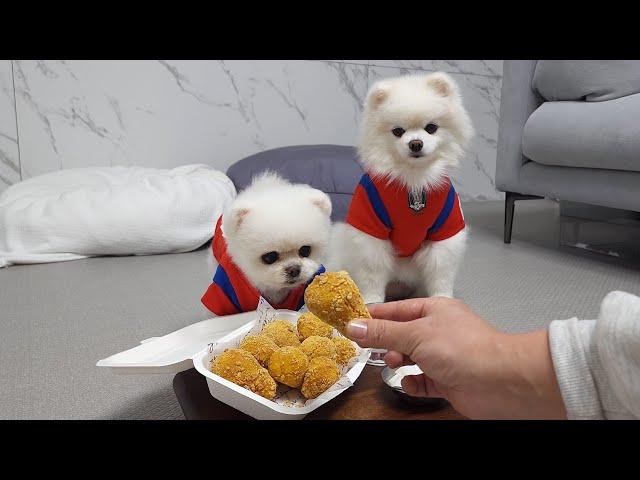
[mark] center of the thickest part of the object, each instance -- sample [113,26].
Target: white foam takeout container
[195,346]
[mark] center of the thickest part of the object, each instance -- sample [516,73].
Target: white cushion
[83,212]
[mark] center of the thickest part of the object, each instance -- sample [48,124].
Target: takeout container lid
[173,353]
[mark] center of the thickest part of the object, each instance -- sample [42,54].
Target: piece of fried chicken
[260,346]
[288,365]
[240,367]
[317,346]
[322,373]
[345,350]
[335,299]
[282,332]
[309,325]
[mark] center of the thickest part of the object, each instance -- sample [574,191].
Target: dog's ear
[442,83]
[322,201]
[378,94]
[235,217]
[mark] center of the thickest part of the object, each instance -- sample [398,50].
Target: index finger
[401,310]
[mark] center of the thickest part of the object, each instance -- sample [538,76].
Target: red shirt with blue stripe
[231,292]
[387,210]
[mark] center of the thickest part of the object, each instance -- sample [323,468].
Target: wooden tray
[367,399]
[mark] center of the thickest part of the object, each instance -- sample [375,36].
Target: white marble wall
[9,158]
[168,113]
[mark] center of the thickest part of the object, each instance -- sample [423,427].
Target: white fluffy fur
[275,215]
[409,102]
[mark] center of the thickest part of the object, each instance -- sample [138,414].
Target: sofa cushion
[582,134]
[590,80]
[334,169]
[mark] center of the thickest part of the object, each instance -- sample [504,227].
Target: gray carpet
[57,320]
[532,281]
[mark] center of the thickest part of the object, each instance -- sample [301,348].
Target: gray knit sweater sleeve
[597,362]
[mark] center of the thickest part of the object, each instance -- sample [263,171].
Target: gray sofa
[570,130]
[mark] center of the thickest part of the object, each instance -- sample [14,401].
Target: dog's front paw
[447,294]
[373,298]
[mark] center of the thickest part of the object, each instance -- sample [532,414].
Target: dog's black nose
[292,271]
[415,145]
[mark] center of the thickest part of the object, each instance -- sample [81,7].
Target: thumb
[376,333]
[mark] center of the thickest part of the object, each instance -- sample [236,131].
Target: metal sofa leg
[509,207]
[509,204]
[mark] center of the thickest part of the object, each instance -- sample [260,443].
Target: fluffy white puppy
[276,233]
[405,223]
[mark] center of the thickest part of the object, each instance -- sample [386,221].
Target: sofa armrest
[518,101]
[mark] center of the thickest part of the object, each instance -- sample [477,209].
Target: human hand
[482,372]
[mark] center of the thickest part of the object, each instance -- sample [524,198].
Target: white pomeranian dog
[405,223]
[271,243]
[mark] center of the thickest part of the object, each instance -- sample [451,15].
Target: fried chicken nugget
[260,346]
[322,373]
[288,365]
[345,350]
[335,299]
[240,367]
[317,346]
[309,325]
[282,332]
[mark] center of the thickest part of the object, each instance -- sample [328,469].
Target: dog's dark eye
[304,251]
[431,128]
[398,132]
[271,257]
